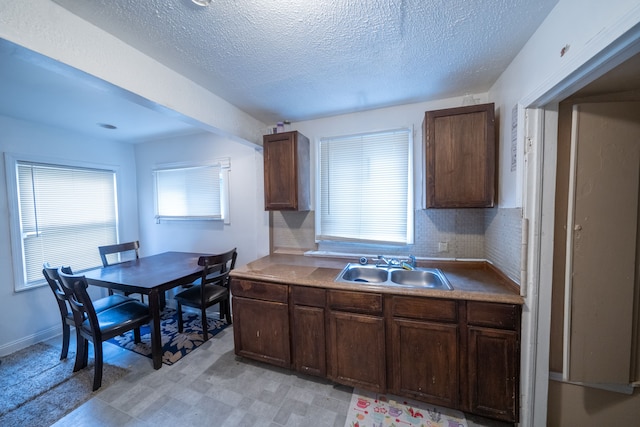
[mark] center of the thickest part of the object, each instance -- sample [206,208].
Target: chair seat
[110,301]
[119,318]
[191,296]
[103,304]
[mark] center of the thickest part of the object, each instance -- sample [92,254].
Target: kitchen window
[365,189]
[193,192]
[64,213]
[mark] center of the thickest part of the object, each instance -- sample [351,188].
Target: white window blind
[365,188]
[194,192]
[65,214]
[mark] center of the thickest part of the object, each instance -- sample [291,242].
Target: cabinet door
[286,171]
[308,338]
[493,373]
[425,361]
[261,330]
[356,349]
[460,157]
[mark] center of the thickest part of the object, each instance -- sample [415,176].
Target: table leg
[156,337]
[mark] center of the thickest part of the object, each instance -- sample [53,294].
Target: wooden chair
[98,327]
[62,297]
[212,289]
[118,250]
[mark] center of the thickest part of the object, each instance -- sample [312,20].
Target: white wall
[31,316]
[249,227]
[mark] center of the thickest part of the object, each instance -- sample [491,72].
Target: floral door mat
[369,409]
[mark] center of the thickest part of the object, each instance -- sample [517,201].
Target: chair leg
[110,291]
[66,332]
[227,312]
[136,335]
[97,375]
[81,353]
[205,332]
[180,325]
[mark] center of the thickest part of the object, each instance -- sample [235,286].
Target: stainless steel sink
[364,274]
[431,278]
[428,278]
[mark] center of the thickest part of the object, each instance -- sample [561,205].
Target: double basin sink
[431,278]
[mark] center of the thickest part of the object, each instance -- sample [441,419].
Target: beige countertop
[471,280]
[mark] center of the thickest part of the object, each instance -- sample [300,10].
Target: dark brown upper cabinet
[286,172]
[460,157]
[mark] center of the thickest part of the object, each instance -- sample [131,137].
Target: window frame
[410,232]
[224,174]
[12,160]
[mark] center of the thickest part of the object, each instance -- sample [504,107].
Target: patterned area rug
[37,388]
[175,345]
[368,409]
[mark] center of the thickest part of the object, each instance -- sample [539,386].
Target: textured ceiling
[304,59]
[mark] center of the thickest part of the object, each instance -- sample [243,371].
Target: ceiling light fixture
[203,3]
[107,126]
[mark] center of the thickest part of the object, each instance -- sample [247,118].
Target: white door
[602,238]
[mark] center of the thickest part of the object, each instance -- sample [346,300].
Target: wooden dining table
[151,276]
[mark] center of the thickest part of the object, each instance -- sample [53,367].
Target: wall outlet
[443,247]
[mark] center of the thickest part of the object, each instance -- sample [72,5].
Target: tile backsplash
[492,234]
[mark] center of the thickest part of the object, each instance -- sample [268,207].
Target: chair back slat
[53,279]
[214,264]
[79,300]
[118,249]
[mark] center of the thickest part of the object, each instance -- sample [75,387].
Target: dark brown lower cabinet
[261,322]
[426,361]
[493,382]
[424,349]
[492,373]
[356,344]
[308,332]
[357,350]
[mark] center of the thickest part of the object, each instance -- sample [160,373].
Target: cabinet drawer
[425,308]
[259,290]
[359,302]
[503,316]
[313,297]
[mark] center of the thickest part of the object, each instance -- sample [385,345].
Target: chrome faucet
[412,261]
[382,261]
[409,263]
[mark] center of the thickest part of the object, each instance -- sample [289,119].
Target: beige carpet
[38,388]
[368,409]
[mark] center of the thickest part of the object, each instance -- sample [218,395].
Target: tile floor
[211,387]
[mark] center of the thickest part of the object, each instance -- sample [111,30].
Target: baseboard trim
[24,342]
